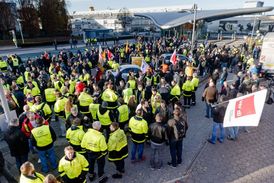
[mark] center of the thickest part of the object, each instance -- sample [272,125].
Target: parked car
[166,57]
[125,69]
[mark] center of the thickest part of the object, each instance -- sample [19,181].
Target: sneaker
[179,162]
[221,141]
[117,176]
[206,116]
[210,141]
[230,138]
[170,164]
[103,180]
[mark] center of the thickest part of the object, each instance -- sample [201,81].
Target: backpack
[41,112]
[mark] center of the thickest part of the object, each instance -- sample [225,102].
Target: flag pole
[220,103]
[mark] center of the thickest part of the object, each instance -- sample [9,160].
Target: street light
[20,29]
[195,7]
[254,24]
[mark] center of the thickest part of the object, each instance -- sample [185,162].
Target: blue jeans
[31,147]
[208,109]
[52,158]
[233,132]
[176,150]
[20,160]
[137,147]
[155,160]
[214,132]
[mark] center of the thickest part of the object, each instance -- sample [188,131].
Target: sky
[83,5]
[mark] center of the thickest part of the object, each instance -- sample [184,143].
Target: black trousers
[105,127]
[187,100]
[120,165]
[193,98]
[92,157]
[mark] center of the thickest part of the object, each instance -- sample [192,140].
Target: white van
[267,54]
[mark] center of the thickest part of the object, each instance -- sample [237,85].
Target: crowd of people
[98,111]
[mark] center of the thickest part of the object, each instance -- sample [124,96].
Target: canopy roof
[167,20]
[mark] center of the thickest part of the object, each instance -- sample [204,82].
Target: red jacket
[27,126]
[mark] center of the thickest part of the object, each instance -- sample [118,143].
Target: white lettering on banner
[245,110]
[238,110]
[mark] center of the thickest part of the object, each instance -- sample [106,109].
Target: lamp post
[193,27]
[20,29]
[254,25]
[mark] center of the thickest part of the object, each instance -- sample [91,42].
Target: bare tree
[7,18]
[28,15]
[54,17]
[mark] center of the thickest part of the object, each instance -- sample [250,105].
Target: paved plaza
[248,159]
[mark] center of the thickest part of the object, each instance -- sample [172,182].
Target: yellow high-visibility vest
[123,113]
[117,145]
[42,135]
[104,118]
[72,169]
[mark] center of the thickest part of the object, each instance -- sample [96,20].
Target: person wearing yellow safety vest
[20,81]
[31,88]
[49,94]
[188,89]
[84,99]
[106,116]
[75,135]
[139,93]
[85,120]
[175,92]
[189,69]
[3,65]
[195,82]
[110,96]
[13,101]
[155,99]
[27,74]
[29,175]
[43,137]
[155,79]
[138,128]
[41,108]
[132,82]
[148,59]
[127,93]
[73,167]
[123,112]
[85,76]
[72,84]
[57,84]
[118,149]
[59,109]
[15,63]
[93,108]
[95,145]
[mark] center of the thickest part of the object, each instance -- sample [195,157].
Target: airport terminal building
[173,21]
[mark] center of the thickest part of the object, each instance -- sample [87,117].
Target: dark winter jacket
[219,113]
[157,133]
[17,141]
